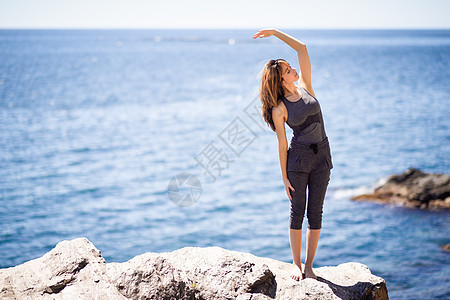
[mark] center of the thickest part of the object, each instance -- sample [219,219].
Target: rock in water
[415,189]
[76,270]
[446,247]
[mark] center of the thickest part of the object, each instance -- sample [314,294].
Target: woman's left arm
[303,57]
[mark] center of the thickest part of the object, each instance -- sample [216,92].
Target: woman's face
[289,74]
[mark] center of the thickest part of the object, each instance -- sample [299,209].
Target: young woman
[307,161]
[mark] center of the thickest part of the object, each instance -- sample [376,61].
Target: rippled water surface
[94,125]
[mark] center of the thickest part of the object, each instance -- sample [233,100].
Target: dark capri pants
[308,165]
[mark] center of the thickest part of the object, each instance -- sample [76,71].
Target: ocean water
[95,124]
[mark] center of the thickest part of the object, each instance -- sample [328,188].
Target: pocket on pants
[297,160]
[329,159]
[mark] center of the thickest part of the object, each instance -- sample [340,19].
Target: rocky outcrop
[446,247]
[76,270]
[414,189]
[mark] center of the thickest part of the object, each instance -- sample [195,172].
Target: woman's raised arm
[303,57]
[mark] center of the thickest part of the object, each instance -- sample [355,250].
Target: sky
[299,14]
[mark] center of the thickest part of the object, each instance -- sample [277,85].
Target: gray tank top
[305,118]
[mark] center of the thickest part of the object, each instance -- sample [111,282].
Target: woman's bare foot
[309,273]
[296,272]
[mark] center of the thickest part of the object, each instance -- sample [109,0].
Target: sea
[153,140]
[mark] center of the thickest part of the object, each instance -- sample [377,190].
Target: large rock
[415,189]
[76,270]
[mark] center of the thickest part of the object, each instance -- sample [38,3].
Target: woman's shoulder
[280,104]
[279,110]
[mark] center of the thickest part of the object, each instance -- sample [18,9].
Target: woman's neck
[291,90]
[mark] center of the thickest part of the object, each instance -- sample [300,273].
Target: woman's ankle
[299,264]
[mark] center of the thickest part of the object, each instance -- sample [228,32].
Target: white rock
[76,270]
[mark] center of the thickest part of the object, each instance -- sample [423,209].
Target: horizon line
[222,28]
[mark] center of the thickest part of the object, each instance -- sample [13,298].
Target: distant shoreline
[228,29]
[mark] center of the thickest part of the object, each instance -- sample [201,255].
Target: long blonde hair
[271,90]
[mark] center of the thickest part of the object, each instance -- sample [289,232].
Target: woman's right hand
[264,33]
[287,185]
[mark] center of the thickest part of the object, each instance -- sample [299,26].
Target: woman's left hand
[264,33]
